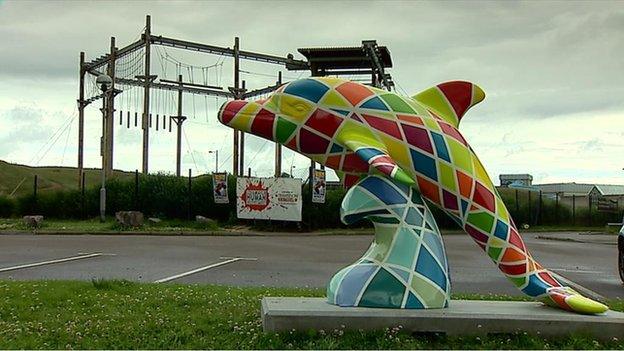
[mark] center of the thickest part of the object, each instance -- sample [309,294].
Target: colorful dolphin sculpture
[359,130]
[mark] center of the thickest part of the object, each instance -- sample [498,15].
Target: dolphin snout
[229,109]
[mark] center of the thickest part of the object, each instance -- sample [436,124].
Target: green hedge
[7,206]
[529,209]
[167,196]
[163,196]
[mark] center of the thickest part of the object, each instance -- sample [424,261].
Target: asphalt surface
[303,261]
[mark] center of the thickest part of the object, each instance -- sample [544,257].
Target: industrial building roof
[610,189]
[580,188]
[516,176]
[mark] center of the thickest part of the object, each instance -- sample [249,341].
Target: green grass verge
[176,226]
[565,228]
[124,315]
[110,225]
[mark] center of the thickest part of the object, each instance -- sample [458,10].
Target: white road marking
[60,260]
[239,258]
[201,269]
[102,254]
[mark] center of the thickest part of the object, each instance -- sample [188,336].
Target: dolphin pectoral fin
[451,100]
[368,148]
[384,164]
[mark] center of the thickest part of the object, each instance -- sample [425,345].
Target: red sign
[256,196]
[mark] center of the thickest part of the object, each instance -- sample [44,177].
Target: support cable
[188,148]
[56,138]
[63,125]
[257,153]
[66,141]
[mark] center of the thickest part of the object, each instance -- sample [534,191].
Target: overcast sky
[553,74]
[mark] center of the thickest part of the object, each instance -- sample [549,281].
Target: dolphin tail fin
[450,100]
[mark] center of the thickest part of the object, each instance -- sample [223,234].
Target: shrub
[327,215]
[25,205]
[7,206]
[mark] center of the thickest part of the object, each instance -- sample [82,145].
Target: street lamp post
[216,152]
[104,82]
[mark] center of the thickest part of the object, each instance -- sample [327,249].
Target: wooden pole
[235,167]
[146,94]
[179,119]
[241,152]
[81,107]
[278,146]
[110,115]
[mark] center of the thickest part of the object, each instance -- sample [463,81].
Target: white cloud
[552,72]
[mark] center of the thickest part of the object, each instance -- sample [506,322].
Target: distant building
[601,195]
[608,190]
[518,179]
[565,189]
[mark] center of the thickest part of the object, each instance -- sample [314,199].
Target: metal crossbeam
[103,60]
[211,49]
[192,84]
[188,89]
[346,72]
[257,92]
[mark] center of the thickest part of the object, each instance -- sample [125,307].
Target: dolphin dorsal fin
[451,100]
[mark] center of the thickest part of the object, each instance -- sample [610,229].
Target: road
[303,261]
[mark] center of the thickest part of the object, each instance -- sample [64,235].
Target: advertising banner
[606,205]
[220,189]
[318,186]
[268,198]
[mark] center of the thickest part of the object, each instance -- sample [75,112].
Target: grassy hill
[19,178]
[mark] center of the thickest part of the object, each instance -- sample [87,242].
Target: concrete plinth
[463,317]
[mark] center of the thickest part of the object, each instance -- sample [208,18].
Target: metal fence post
[136,190]
[517,204]
[190,196]
[573,209]
[539,214]
[34,209]
[82,196]
[589,202]
[556,208]
[530,221]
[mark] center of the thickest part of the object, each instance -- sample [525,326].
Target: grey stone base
[463,317]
